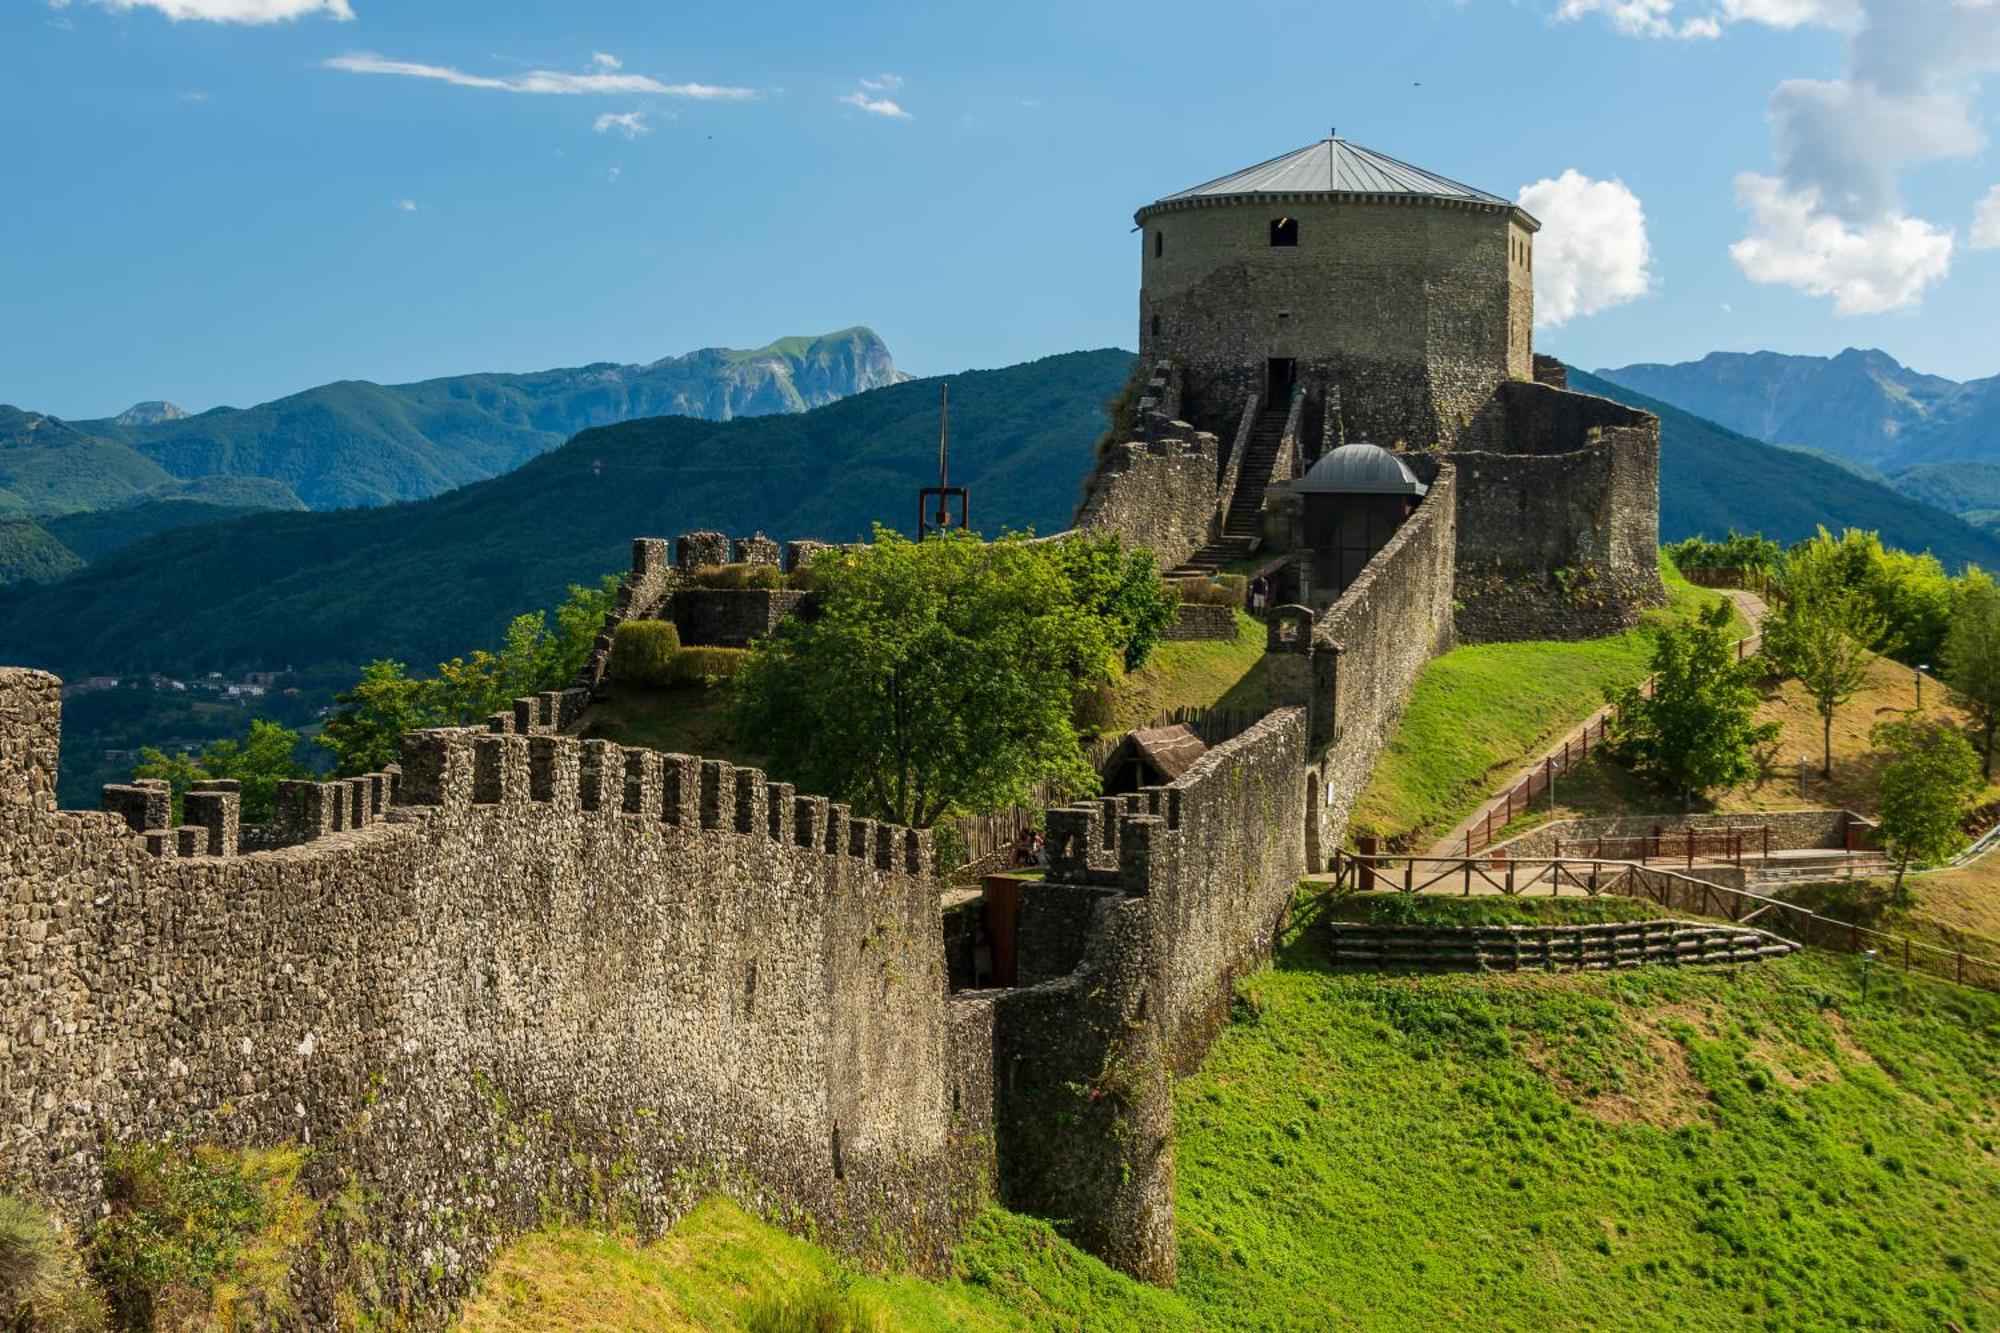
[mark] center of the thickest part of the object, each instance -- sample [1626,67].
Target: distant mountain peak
[150,413]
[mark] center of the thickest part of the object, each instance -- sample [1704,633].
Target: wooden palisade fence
[1668,888]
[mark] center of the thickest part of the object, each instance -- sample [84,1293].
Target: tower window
[1284,231]
[1159,244]
[1156,326]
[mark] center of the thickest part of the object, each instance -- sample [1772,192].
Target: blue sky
[215,210]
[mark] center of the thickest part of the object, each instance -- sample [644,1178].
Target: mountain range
[357,443]
[1935,439]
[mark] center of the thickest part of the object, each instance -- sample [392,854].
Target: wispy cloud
[605,60]
[631,124]
[870,97]
[232,11]
[1986,222]
[403,205]
[600,81]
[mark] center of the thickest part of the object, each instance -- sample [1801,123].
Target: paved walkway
[1453,843]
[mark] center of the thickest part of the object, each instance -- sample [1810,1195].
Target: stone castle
[523,975]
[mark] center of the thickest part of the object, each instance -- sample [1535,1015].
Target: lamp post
[1867,961]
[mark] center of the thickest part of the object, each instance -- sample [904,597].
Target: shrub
[644,652]
[739,576]
[819,1306]
[1222,590]
[31,1257]
[707,666]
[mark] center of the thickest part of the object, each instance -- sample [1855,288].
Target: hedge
[645,653]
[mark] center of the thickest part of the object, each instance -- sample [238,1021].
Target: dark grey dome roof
[1359,469]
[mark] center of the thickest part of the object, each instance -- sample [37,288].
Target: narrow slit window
[1159,244]
[1284,231]
[1156,326]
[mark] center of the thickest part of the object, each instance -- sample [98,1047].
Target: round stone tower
[1395,295]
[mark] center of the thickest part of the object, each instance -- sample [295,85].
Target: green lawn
[1698,1148]
[1479,713]
[684,719]
[1228,673]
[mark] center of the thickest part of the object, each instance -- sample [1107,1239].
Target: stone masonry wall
[1413,311]
[1791,830]
[1355,665]
[731,617]
[1204,869]
[1159,494]
[559,974]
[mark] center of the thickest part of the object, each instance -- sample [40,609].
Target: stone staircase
[1244,528]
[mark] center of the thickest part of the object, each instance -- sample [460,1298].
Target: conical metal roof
[1336,166]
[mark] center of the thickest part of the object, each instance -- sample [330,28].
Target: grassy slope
[1479,713]
[687,719]
[1664,1148]
[1658,1148]
[28,553]
[722,1269]
[1192,674]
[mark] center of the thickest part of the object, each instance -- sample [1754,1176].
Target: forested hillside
[423,580]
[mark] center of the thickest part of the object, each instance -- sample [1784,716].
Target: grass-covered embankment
[1479,713]
[1699,1148]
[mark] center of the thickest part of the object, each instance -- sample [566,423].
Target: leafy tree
[1971,659]
[937,676]
[1122,587]
[1697,730]
[1736,551]
[1931,775]
[366,732]
[1826,630]
[260,762]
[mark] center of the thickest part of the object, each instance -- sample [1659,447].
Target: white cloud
[1592,252]
[542,81]
[233,11]
[1703,19]
[1867,267]
[1986,222]
[631,124]
[605,60]
[1831,219]
[882,83]
[403,205]
[875,106]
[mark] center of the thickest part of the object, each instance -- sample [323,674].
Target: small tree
[935,676]
[1697,731]
[1971,659]
[1827,630]
[268,756]
[1930,777]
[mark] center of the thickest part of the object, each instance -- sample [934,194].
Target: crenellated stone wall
[553,975]
[1159,494]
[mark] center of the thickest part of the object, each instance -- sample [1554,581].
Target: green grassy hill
[28,553]
[52,467]
[1712,480]
[1659,1148]
[424,580]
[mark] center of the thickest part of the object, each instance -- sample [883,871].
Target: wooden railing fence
[1580,744]
[1505,875]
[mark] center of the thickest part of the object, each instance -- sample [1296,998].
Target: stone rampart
[1159,494]
[1195,620]
[1202,872]
[1558,516]
[1790,831]
[554,975]
[1354,666]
